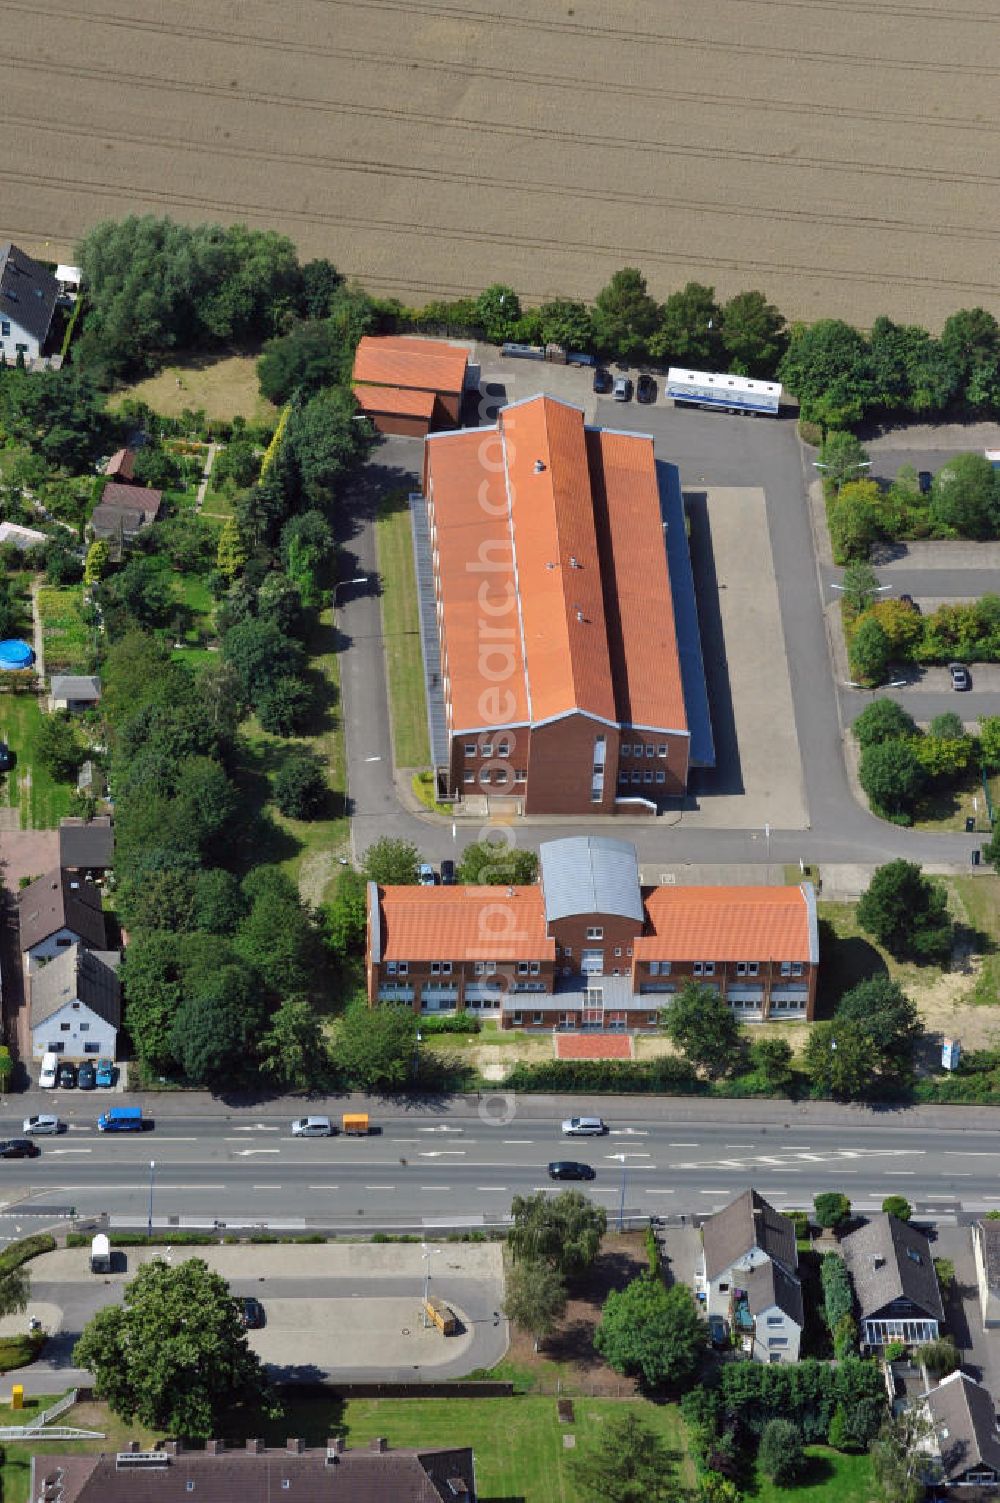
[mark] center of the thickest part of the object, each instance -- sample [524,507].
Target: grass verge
[41,800]
[831,1478]
[401,633]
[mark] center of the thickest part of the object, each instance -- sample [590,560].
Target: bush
[780,1455]
[609,1077]
[16,1253]
[940,1357]
[895,1351]
[458,1022]
[838,1295]
[945,1270]
[801,1223]
[845,1337]
[300,787]
[832,1208]
[898,1206]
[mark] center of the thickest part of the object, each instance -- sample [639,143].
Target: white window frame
[596,931]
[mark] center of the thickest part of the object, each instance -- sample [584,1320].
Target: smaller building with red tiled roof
[589,948]
[408,385]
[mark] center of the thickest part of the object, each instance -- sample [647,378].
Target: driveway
[963,1320]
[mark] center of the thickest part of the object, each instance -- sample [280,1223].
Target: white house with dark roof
[55,912]
[28,296]
[895,1282]
[76,1005]
[748,1278]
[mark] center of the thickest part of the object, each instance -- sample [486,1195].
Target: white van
[47,1074]
[583,1127]
[312,1127]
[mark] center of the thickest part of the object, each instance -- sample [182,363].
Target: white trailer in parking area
[730,393]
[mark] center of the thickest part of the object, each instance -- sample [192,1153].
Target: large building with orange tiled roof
[408,385]
[588,948]
[560,668]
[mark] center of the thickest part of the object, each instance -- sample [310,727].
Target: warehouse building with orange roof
[408,385]
[588,948]
[554,613]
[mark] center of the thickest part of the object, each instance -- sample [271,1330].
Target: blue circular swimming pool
[15,654]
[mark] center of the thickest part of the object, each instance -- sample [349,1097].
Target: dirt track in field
[843,155]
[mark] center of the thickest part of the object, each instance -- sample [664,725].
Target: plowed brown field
[843,155]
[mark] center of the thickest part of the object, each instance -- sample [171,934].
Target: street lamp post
[360,579]
[428,1252]
[149,1222]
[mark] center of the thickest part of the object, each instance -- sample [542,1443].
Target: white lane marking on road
[380,1187]
[899,1172]
[79,1127]
[246,1153]
[510,1142]
[259,1127]
[785,1169]
[628,1132]
[267,1187]
[684,1145]
[440,1153]
[373,759]
[763,1158]
[600,1190]
[623,1156]
[817,1158]
[494,1189]
[53,1151]
[323,1187]
[970,1153]
[442,1127]
[435,1187]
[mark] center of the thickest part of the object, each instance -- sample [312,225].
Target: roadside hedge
[607,1077]
[20,1252]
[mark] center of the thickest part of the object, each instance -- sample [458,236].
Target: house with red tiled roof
[560,668]
[409,385]
[588,947]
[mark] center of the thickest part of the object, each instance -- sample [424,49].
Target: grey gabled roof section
[590,874]
[27,292]
[962,1413]
[61,901]
[78,686]
[888,1260]
[374,923]
[769,1285]
[86,844]
[988,1233]
[748,1222]
[77,975]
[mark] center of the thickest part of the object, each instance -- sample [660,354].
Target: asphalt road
[420,1171]
[710,449]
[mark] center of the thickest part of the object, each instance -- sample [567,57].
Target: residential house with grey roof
[56,911]
[895,1282]
[963,1449]
[76,1005]
[28,296]
[86,845]
[748,1278]
[122,513]
[257,1474]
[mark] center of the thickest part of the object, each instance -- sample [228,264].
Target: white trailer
[730,393]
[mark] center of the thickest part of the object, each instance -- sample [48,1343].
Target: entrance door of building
[592,1018]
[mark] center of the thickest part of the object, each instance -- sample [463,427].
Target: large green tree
[310,356]
[624,1462]
[375,1047]
[842,457]
[494,863]
[892,775]
[753,334]
[653,1332]
[174,1356]
[391,862]
[889,1018]
[780,1455]
[535,1297]
[704,1028]
[907,912]
[345,916]
[965,498]
[624,314]
[828,367]
[563,1231]
[688,329]
[216,1028]
[883,720]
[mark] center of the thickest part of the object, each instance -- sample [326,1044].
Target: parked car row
[69,1076]
[428,877]
[621,388]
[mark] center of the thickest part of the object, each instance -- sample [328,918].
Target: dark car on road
[66,1076]
[251,1313]
[569,1169]
[86,1076]
[645,389]
[603,381]
[960,676]
[19,1148]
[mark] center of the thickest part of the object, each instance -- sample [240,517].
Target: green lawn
[216,507]
[832,1478]
[42,801]
[518,1443]
[192,593]
[401,634]
[66,635]
[948,808]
